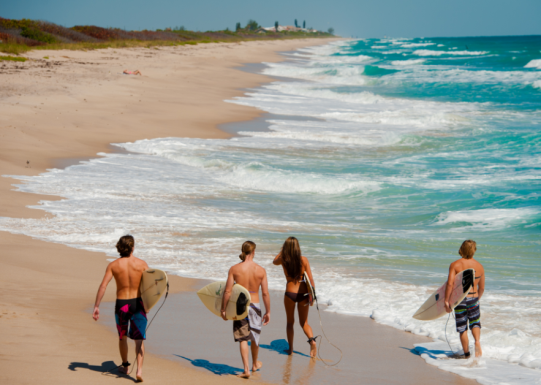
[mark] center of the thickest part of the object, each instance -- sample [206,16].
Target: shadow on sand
[219,369]
[106,368]
[281,347]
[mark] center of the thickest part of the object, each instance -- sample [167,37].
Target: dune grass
[17,49]
[13,58]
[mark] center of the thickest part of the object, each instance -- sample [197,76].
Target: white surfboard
[238,305]
[153,286]
[311,290]
[434,307]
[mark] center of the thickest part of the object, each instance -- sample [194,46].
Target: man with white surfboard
[251,276]
[468,311]
[129,308]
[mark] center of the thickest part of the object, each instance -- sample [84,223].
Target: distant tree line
[253,25]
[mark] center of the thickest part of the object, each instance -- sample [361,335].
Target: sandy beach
[62,107]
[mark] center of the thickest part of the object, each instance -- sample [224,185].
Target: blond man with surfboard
[467,312]
[252,277]
[129,308]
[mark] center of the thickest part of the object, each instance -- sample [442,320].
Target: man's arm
[227,292]
[449,287]
[481,285]
[266,297]
[101,291]
[278,259]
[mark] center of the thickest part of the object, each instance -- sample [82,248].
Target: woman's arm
[278,259]
[309,271]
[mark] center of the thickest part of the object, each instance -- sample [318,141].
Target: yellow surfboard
[153,286]
[238,305]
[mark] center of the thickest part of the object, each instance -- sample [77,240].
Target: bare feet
[289,352]
[139,378]
[478,351]
[123,369]
[245,375]
[313,349]
[257,366]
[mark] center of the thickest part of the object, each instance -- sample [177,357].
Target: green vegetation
[19,36]
[37,35]
[252,25]
[331,31]
[13,58]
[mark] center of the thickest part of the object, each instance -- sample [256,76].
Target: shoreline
[26,255]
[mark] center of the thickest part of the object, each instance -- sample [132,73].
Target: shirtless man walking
[251,276]
[129,309]
[468,311]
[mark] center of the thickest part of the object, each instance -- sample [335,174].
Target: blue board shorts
[468,312]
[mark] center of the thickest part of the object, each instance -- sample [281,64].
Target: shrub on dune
[62,33]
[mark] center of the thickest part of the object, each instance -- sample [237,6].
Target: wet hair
[248,248]
[125,245]
[291,258]
[468,249]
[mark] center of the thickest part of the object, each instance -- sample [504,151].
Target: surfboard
[238,305]
[311,290]
[434,307]
[153,286]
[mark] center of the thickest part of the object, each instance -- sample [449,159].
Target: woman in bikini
[295,265]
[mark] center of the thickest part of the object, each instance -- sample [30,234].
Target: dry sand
[71,106]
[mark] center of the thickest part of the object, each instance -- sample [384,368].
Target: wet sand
[186,332]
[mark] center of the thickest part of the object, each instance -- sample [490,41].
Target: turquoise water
[470,169]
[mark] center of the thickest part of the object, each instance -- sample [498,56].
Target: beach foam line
[486,219]
[413,45]
[409,62]
[427,52]
[534,64]
[486,371]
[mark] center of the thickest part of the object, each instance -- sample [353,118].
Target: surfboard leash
[148,326]
[319,346]
[160,308]
[447,339]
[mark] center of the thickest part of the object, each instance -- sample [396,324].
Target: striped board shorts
[468,311]
[249,328]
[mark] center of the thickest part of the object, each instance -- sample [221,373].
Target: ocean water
[396,151]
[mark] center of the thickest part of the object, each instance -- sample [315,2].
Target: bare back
[463,264]
[128,272]
[250,275]
[297,286]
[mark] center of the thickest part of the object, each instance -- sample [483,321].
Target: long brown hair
[291,258]
[248,248]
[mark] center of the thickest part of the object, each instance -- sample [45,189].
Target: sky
[368,18]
